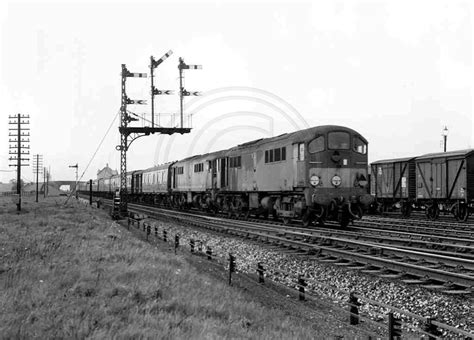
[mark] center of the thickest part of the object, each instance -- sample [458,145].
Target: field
[69,271]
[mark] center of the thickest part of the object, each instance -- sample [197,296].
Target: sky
[395,71]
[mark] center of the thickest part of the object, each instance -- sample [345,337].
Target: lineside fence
[391,322]
[382,319]
[23,193]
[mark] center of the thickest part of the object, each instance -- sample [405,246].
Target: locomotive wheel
[307,219]
[286,220]
[357,211]
[344,221]
[462,212]
[344,217]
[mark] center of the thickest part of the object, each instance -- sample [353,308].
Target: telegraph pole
[37,168]
[75,185]
[47,180]
[21,136]
[182,92]
[44,182]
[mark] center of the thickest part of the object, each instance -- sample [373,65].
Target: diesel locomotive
[312,175]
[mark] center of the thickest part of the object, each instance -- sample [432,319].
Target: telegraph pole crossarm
[22,136]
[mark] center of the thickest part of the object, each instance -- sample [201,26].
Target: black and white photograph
[223,169]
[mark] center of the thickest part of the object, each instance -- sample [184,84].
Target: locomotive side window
[275,155]
[199,167]
[360,146]
[338,140]
[316,145]
[235,162]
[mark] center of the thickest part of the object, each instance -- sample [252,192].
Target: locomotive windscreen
[338,140]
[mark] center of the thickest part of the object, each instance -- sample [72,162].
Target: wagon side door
[438,178]
[456,179]
[424,186]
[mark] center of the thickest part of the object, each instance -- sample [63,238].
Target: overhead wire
[93,156]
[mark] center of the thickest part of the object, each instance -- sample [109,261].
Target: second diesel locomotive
[316,174]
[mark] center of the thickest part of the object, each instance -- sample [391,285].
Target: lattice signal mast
[154,91]
[37,169]
[128,133]
[182,91]
[20,137]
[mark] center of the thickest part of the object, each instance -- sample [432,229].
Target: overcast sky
[396,71]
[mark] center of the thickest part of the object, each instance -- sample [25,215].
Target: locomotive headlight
[336,181]
[314,180]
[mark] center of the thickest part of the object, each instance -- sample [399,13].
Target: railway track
[450,225]
[408,259]
[421,216]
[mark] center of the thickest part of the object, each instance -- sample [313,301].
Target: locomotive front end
[337,176]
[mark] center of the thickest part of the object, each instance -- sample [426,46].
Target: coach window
[360,146]
[338,140]
[316,145]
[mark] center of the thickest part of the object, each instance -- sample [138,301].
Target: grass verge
[70,272]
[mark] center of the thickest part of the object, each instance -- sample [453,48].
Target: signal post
[128,134]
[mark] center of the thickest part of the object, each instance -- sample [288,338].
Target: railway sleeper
[373,270]
[357,266]
[415,281]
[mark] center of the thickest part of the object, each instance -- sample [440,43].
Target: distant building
[106,172]
[6,187]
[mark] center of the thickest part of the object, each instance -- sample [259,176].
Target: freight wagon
[436,183]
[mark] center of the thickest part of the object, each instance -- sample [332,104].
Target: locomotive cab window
[316,145]
[338,140]
[360,146]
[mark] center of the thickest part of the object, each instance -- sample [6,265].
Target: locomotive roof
[394,160]
[296,136]
[456,153]
[300,135]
